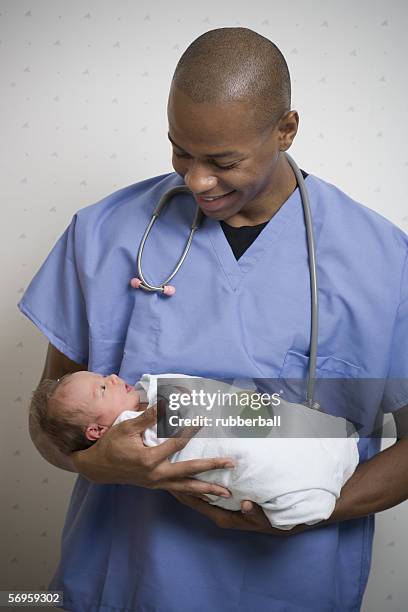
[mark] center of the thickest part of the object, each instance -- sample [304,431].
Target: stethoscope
[141,283]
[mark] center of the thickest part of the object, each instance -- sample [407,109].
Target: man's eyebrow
[224,154]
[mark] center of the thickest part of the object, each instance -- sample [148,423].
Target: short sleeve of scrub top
[62,308]
[396,386]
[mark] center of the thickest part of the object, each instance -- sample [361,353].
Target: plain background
[84,88]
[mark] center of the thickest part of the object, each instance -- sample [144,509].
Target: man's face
[247,170]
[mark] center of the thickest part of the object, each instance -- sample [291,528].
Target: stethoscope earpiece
[169,290]
[136,283]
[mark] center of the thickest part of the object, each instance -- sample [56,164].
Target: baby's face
[102,397]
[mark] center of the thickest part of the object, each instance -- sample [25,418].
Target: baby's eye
[103,387]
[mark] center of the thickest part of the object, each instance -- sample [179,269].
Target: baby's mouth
[128,388]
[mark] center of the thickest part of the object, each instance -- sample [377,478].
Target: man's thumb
[144,420]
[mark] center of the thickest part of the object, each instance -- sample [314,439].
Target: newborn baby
[294,479]
[79,408]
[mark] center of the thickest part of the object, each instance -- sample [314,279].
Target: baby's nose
[114,379]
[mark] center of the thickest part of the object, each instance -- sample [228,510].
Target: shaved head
[236,64]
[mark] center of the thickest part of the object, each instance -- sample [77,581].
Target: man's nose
[198,179]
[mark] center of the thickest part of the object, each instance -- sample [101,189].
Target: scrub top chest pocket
[337,389]
[296,364]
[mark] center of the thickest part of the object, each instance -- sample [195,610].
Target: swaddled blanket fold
[294,479]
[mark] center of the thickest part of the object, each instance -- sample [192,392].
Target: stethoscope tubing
[194,226]
[311,247]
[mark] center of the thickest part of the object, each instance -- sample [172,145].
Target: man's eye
[228,167]
[185,155]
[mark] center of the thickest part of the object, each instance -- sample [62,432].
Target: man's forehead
[181,101]
[230,122]
[224,153]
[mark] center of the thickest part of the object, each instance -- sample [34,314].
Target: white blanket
[294,479]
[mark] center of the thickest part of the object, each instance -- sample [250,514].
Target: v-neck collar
[235,270]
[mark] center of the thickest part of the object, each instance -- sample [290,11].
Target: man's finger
[179,469]
[213,512]
[192,486]
[198,504]
[141,422]
[228,518]
[197,495]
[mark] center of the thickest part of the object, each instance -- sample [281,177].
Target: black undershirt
[240,238]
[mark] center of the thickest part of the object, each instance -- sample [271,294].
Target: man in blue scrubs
[139,534]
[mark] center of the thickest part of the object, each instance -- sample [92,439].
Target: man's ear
[94,431]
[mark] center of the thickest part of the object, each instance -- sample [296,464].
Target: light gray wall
[83,112]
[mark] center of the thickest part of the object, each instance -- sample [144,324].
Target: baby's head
[79,408]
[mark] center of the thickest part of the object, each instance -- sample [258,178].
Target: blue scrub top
[126,548]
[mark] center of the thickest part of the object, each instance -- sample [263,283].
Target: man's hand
[251,517]
[120,457]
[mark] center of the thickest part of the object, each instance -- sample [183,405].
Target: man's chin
[218,215]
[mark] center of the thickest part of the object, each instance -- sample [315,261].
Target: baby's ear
[94,431]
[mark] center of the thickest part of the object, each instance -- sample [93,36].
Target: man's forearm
[378,484]
[47,449]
